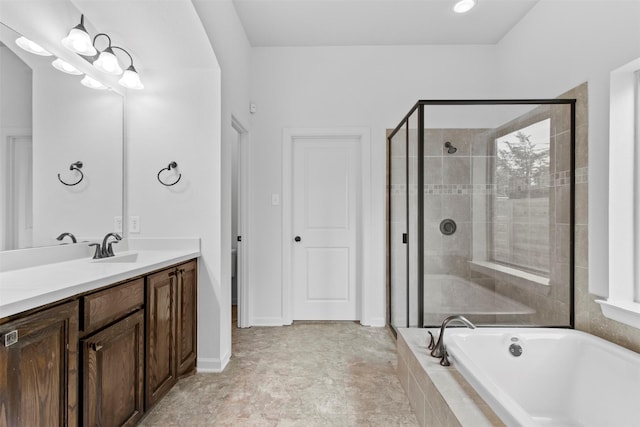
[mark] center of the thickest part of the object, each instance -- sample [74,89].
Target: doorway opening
[239,224]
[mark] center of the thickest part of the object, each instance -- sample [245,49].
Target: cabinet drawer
[104,307]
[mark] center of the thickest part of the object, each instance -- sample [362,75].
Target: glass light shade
[65,67]
[31,47]
[130,79]
[78,41]
[108,63]
[464,6]
[92,83]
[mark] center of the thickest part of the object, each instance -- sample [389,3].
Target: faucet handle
[98,252]
[432,341]
[445,359]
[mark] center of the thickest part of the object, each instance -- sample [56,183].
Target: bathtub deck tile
[450,400]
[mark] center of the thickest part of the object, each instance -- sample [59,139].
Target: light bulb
[130,79]
[31,47]
[65,67]
[92,83]
[464,6]
[78,41]
[108,63]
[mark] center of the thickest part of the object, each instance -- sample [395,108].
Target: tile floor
[308,374]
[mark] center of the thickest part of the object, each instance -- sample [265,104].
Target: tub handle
[445,359]
[432,341]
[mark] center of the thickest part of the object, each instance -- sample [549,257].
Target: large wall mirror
[49,123]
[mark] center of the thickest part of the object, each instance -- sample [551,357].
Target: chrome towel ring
[171,165]
[77,166]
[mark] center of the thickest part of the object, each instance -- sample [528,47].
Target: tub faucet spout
[439,350]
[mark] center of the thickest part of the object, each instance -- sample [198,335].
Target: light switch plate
[275,199]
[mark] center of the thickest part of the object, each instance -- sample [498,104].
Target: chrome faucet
[63,235]
[439,349]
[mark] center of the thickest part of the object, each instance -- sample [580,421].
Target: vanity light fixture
[65,67]
[107,61]
[130,79]
[92,83]
[464,6]
[32,47]
[79,41]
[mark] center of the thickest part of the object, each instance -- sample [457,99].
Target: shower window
[521,204]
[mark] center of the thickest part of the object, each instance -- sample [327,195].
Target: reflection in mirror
[49,121]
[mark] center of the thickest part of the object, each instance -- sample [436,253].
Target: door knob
[298,239]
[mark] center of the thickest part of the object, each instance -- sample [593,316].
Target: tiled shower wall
[453,182]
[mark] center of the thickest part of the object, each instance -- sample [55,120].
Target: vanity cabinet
[39,368]
[102,357]
[113,356]
[171,328]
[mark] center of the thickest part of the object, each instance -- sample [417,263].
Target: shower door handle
[298,239]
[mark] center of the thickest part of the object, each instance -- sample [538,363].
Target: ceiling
[376,22]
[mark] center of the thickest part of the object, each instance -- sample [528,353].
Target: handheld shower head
[450,148]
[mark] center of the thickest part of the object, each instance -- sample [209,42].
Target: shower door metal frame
[420,199]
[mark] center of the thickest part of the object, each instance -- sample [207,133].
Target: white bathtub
[562,378]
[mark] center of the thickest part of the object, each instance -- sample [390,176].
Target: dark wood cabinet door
[186,333]
[39,372]
[113,374]
[161,321]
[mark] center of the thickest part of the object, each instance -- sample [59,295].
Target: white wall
[233,52]
[175,118]
[372,87]
[558,45]
[74,123]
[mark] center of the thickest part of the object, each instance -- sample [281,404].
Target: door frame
[364,235]
[244,222]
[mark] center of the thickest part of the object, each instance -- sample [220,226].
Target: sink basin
[117,259]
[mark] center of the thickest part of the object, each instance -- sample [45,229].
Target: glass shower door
[404,286]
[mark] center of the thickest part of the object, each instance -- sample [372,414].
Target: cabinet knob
[96,346]
[298,239]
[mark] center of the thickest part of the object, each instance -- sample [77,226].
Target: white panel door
[325,207]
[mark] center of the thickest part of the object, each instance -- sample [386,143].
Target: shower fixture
[450,148]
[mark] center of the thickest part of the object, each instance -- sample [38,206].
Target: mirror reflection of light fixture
[79,41]
[32,47]
[464,6]
[92,83]
[107,61]
[65,67]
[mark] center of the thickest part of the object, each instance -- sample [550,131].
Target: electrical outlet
[117,224]
[275,199]
[134,224]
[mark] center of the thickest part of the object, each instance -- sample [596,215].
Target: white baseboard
[376,322]
[267,321]
[212,364]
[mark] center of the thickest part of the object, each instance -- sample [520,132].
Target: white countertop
[26,288]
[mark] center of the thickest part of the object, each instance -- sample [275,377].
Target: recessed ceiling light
[464,6]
